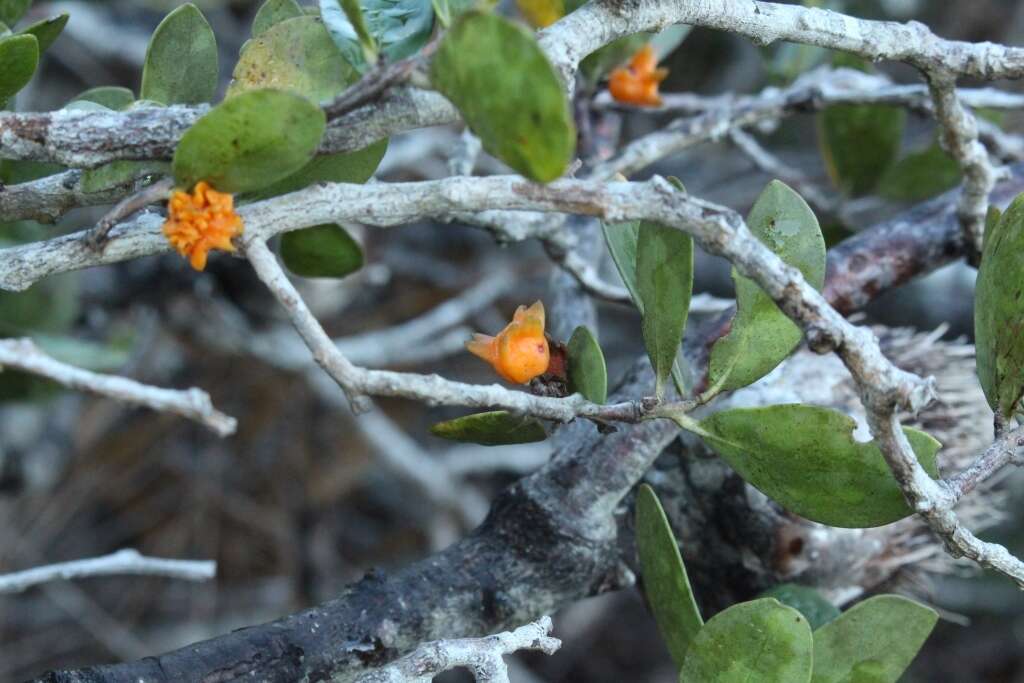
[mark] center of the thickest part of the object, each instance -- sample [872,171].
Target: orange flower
[637,82]
[202,221]
[520,351]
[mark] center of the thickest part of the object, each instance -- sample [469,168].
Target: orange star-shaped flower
[520,351]
[201,221]
[637,83]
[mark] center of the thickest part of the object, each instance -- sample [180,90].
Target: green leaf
[46,31]
[816,609]
[858,143]
[13,10]
[761,640]
[621,239]
[294,54]
[118,173]
[509,94]
[496,428]
[346,167]
[181,61]
[665,582]
[321,251]
[250,141]
[664,270]
[273,12]
[806,459]
[587,372]
[110,96]
[19,55]
[399,27]
[920,175]
[761,335]
[999,311]
[872,642]
[354,14]
[992,218]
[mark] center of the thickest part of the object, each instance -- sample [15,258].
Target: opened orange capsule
[637,82]
[520,351]
[201,221]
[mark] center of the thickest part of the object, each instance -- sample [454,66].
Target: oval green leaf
[46,31]
[250,141]
[110,96]
[294,54]
[872,642]
[816,609]
[999,311]
[806,459]
[273,12]
[665,581]
[509,94]
[181,61]
[19,55]
[859,142]
[495,428]
[587,372]
[761,640]
[761,335]
[346,167]
[920,175]
[664,273]
[321,251]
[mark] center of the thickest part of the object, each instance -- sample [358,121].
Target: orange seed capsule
[520,351]
[637,82]
[201,221]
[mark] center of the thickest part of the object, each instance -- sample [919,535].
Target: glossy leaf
[181,61]
[920,175]
[999,311]
[665,581]
[321,251]
[761,640]
[250,141]
[399,27]
[806,459]
[19,56]
[495,428]
[274,12]
[13,10]
[294,54]
[47,30]
[345,167]
[664,269]
[508,92]
[872,642]
[587,372]
[816,609]
[859,142]
[761,335]
[110,96]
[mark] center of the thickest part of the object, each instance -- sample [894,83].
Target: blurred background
[305,498]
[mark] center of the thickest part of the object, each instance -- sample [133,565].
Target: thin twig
[157,192]
[194,404]
[127,561]
[482,656]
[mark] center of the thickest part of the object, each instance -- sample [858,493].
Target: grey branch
[482,656]
[194,404]
[127,561]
